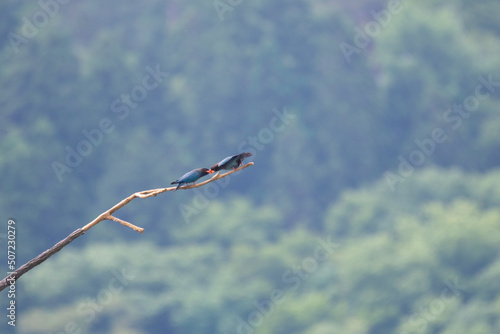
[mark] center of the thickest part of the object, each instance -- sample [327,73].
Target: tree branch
[39,259]
[125,223]
[107,215]
[154,192]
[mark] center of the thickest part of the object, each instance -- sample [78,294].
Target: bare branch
[107,215]
[39,259]
[125,223]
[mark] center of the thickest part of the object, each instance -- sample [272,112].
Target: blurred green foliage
[312,239]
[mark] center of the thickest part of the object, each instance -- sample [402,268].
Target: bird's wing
[188,176]
[226,160]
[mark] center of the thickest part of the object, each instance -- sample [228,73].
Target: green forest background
[372,206]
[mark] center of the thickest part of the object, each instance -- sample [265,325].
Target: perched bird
[192,176]
[231,162]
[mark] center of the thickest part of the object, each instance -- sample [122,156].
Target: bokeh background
[373,204]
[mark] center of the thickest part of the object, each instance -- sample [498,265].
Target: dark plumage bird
[231,162]
[192,176]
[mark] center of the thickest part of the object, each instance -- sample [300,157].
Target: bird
[231,162]
[192,176]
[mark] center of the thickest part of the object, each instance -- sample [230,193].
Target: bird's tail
[178,184]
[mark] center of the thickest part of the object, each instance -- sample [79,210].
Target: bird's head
[206,171]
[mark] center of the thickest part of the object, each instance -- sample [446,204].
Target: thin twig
[125,223]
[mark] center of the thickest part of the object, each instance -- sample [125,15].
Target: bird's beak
[210,171]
